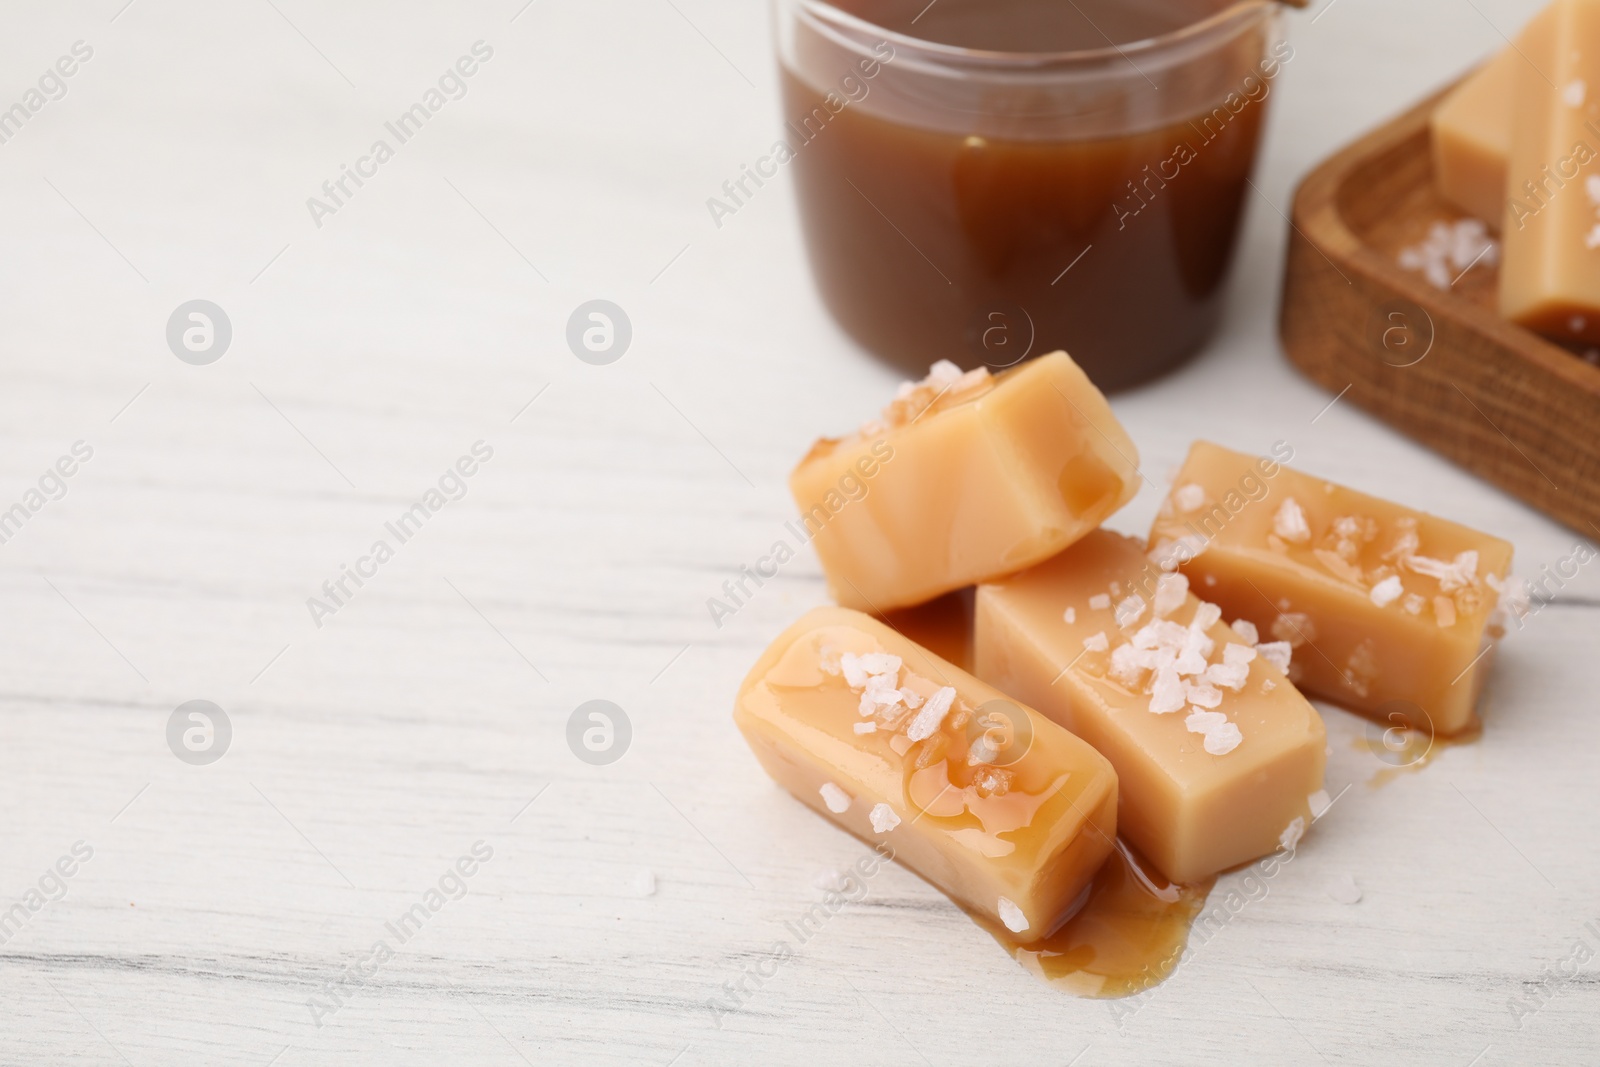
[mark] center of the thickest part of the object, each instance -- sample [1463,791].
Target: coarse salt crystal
[1130,611]
[931,717]
[1097,642]
[1202,695]
[1292,834]
[1222,740]
[855,675]
[1227,675]
[1166,694]
[912,698]
[1387,591]
[880,663]
[1100,601]
[1319,802]
[883,818]
[1171,592]
[1290,522]
[1012,916]
[1189,497]
[837,799]
[865,727]
[1070,615]
[1277,653]
[1247,630]
[1238,655]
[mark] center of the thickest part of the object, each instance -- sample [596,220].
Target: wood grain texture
[371,753]
[1441,365]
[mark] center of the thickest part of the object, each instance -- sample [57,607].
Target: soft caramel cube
[1550,278]
[1216,754]
[1388,609]
[988,800]
[966,477]
[1472,138]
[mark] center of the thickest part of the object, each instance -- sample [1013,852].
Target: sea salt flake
[1100,601]
[1171,592]
[1232,676]
[1097,642]
[855,675]
[1574,93]
[1130,610]
[912,698]
[1202,695]
[1277,653]
[880,663]
[883,818]
[1070,616]
[1222,740]
[1292,834]
[837,800]
[1127,665]
[1342,889]
[931,717]
[1289,522]
[1247,630]
[1206,616]
[1166,694]
[1387,591]
[1319,802]
[1189,498]
[1238,655]
[865,727]
[1012,916]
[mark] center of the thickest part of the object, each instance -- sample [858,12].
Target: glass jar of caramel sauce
[988,180]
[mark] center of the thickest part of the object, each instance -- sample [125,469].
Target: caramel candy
[965,477]
[1550,281]
[1387,609]
[1472,138]
[988,800]
[1217,755]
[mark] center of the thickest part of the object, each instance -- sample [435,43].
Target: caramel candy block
[1387,609]
[965,477]
[1472,134]
[1217,755]
[1550,281]
[991,802]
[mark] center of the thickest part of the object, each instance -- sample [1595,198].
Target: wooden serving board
[1440,365]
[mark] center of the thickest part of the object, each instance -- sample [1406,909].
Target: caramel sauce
[1408,751]
[1128,936]
[960,243]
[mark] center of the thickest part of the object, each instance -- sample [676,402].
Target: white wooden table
[429,712]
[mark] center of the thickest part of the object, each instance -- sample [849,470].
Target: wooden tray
[1440,366]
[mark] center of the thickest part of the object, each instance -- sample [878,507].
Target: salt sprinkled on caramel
[837,799]
[1189,498]
[1277,653]
[883,818]
[865,727]
[1100,601]
[1012,916]
[1247,630]
[1387,591]
[931,717]
[1289,522]
[1097,642]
